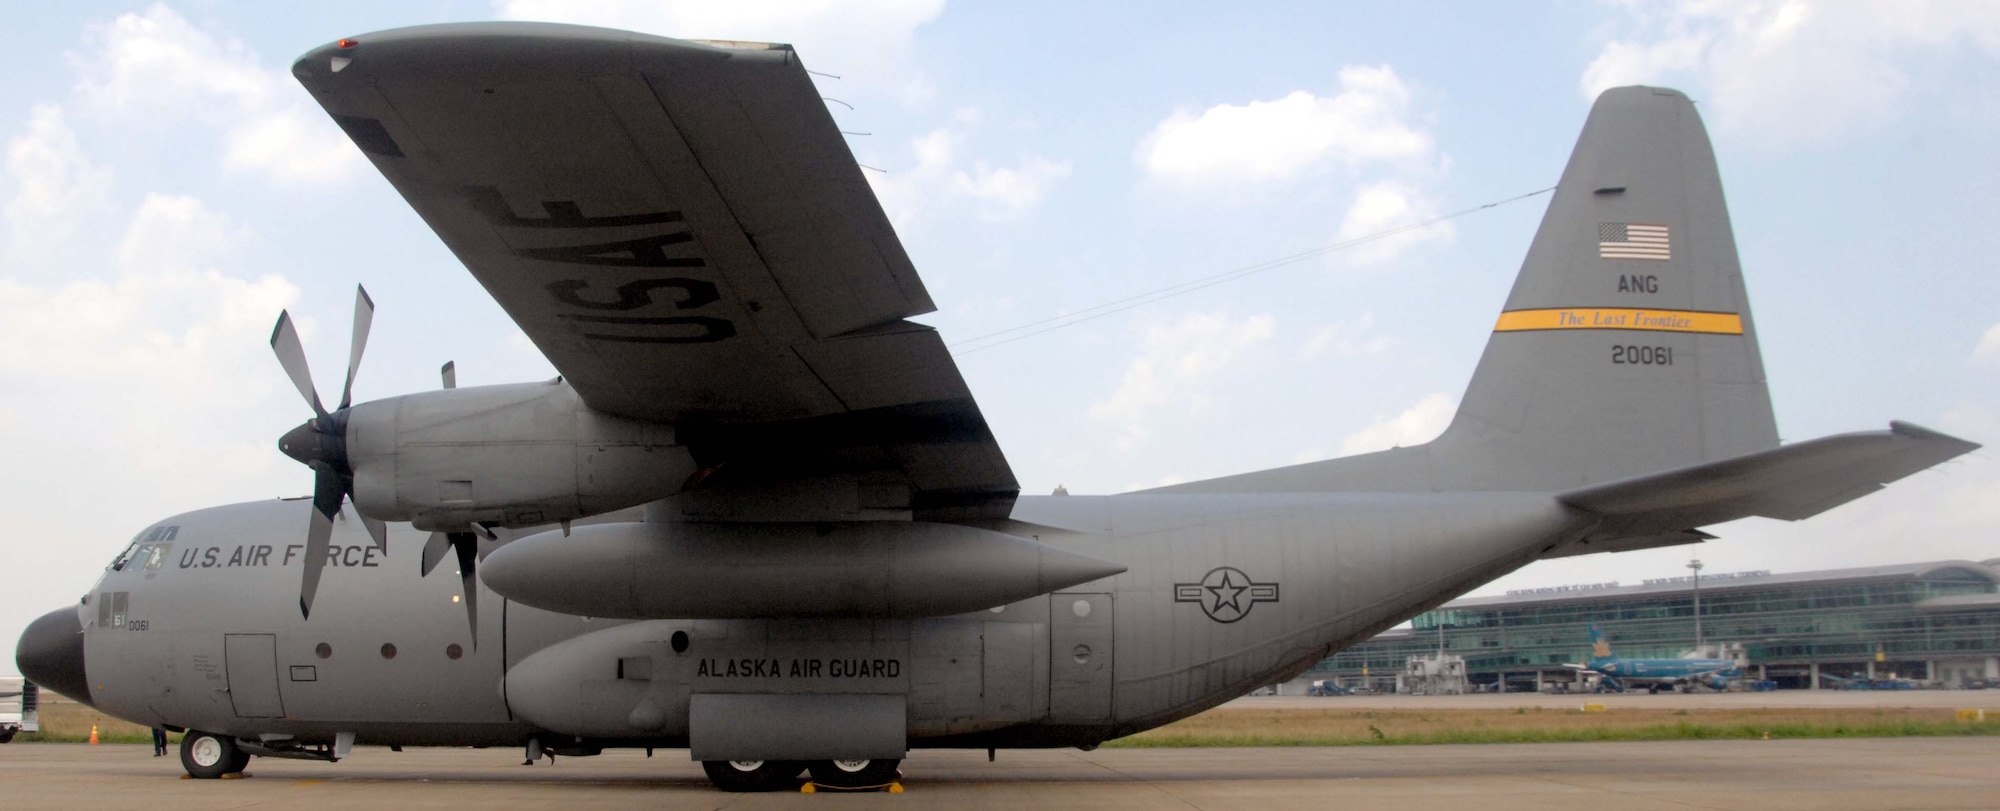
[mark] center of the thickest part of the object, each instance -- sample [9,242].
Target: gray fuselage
[1223,593]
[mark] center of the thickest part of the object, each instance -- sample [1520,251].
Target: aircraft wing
[682,230]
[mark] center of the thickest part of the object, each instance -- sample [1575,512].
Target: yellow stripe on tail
[1624,318]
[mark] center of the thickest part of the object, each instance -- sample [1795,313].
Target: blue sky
[167,189]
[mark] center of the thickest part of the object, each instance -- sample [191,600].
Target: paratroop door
[252,660]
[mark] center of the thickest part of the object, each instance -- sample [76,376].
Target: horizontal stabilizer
[1789,483]
[1597,542]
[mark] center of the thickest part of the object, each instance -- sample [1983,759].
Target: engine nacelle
[858,569]
[511,455]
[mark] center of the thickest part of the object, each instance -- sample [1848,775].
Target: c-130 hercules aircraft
[759,516]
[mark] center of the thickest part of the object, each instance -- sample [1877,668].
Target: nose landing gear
[207,756]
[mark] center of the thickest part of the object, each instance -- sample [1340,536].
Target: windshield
[118,563]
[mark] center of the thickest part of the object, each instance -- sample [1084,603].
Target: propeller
[466,545]
[321,443]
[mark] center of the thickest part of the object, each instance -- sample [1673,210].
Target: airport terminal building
[1936,622]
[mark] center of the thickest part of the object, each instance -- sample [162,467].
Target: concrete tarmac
[1873,774]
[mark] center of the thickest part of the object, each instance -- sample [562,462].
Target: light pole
[1696,566]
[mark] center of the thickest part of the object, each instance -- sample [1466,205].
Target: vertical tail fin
[1600,648]
[1626,346]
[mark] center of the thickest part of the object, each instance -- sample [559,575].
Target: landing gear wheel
[855,773]
[207,756]
[753,775]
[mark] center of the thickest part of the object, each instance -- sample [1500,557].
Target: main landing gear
[855,773]
[753,775]
[207,756]
[783,775]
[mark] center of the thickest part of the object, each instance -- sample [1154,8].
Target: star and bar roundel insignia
[1226,594]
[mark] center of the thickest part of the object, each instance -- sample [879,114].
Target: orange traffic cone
[93,734]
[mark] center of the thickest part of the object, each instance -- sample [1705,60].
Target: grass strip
[64,722]
[1236,727]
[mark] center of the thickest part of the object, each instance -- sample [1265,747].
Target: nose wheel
[207,756]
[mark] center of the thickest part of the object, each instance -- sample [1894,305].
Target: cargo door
[1079,657]
[252,662]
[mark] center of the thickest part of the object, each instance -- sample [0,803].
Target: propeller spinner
[321,443]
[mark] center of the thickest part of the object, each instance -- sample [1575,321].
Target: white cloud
[171,233]
[1629,63]
[865,42]
[1418,424]
[1788,70]
[1989,345]
[1346,339]
[166,323]
[292,144]
[938,175]
[1367,121]
[1389,215]
[1365,133]
[55,189]
[126,353]
[1008,192]
[1175,364]
[157,67]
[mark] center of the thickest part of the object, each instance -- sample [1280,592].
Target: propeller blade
[364,317]
[292,356]
[466,545]
[319,534]
[434,550]
[450,372]
[377,529]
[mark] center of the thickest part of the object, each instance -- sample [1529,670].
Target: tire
[753,775]
[855,773]
[207,756]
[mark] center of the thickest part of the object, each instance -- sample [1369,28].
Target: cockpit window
[152,535]
[154,555]
[118,563]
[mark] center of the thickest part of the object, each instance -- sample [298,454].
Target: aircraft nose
[50,654]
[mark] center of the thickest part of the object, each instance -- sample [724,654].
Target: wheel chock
[814,788]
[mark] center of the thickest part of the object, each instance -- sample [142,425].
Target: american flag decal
[1631,240]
